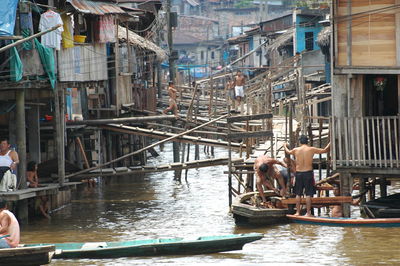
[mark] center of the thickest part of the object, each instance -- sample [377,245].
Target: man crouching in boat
[9,227]
[265,171]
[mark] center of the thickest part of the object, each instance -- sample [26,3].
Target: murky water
[152,206]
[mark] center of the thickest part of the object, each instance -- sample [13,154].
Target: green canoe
[153,247]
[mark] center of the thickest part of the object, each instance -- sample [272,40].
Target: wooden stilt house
[366,92]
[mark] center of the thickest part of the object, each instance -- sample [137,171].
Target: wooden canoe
[153,247]
[244,212]
[27,255]
[330,221]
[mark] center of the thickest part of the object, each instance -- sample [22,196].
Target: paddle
[1,237]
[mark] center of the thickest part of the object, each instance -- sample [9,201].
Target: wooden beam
[248,117]
[243,135]
[163,135]
[146,148]
[123,120]
[321,200]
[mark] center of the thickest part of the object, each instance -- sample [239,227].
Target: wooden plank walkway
[163,135]
[157,168]
[47,189]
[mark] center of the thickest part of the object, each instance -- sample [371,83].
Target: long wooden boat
[244,212]
[384,207]
[330,221]
[153,247]
[40,255]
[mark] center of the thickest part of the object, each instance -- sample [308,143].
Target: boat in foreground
[244,211]
[153,247]
[384,207]
[26,256]
[331,221]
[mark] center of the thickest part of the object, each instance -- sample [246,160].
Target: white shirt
[5,160]
[47,20]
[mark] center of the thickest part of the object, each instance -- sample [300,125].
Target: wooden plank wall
[373,34]
[83,63]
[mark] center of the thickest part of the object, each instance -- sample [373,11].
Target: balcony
[366,142]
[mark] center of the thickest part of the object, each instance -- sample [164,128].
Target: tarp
[16,67]
[47,58]
[8,10]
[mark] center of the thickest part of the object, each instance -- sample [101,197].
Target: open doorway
[381,95]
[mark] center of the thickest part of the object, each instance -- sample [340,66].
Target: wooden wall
[368,37]
[83,63]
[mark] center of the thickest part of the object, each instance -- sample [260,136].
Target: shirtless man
[9,227]
[264,168]
[304,171]
[240,80]
[172,99]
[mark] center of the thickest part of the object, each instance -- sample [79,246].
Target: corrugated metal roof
[95,8]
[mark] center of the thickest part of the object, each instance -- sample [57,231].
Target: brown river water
[154,206]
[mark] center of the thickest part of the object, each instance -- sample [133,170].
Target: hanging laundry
[47,20]
[105,29]
[67,34]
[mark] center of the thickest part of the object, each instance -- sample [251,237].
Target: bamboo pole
[146,148]
[78,140]
[2,49]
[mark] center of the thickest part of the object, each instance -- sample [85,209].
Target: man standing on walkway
[304,171]
[240,81]
[172,99]
[9,227]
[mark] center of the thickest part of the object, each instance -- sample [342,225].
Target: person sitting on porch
[9,227]
[31,174]
[8,163]
[32,178]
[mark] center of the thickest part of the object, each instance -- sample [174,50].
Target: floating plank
[321,200]
[248,117]
[243,135]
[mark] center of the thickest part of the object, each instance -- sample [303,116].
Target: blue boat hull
[154,247]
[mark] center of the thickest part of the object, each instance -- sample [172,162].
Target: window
[202,55]
[212,55]
[309,41]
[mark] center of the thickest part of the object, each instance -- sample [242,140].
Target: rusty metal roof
[96,8]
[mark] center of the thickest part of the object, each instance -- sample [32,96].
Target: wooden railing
[366,141]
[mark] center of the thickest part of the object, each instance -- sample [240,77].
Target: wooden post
[21,135]
[383,187]
[34,134]
[229,161]
[345,183]
[59,135]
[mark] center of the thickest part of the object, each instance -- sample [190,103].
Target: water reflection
[153,205]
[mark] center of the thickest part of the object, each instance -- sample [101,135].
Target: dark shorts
[304,183]
[285,174]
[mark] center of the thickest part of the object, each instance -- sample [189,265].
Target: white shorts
[239,91]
